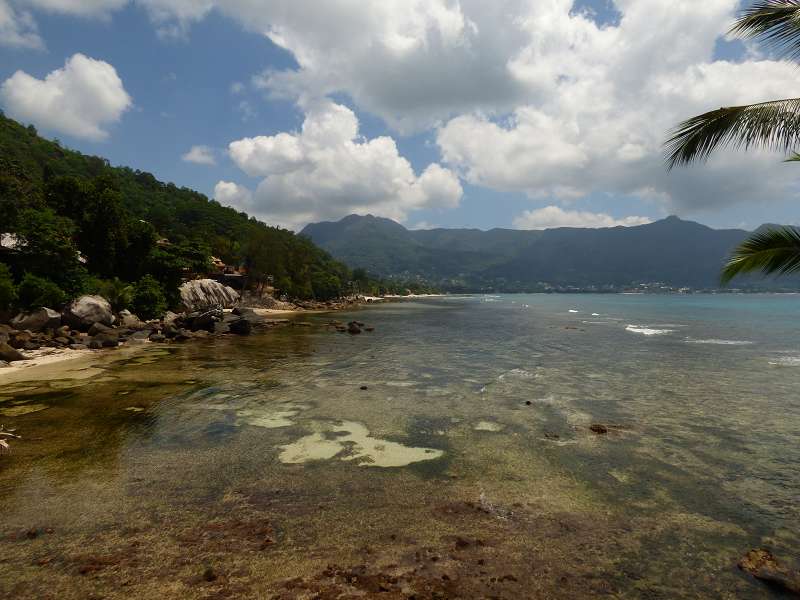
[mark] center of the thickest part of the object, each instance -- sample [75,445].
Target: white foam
[716,342]
[786,361]
[595,314]
[572,310]
[647,330]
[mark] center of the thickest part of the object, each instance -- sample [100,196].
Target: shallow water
[258,467]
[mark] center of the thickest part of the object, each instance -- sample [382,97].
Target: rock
[364,388]
[4,364]
[144,334]
[369,329]
[129,320]
[598,428]
[106,340]
[182,335]
[240,326]
[169,317]
[135,341]
[9,354]
[353,328]
[37,320]
[762,565]
[98,328]
[158,337]
[61,341]
[95,345]
[30,346]
[203,294]
[203,320]
[78,347]
[221,328]
[84,312]
[169,330]
[18,339]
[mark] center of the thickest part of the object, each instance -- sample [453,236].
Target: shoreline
[52,363]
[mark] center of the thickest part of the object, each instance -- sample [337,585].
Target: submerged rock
[353,328]
[88,310]
[762,565]
[204,294]
[598,428]
[240,326]
[37,320]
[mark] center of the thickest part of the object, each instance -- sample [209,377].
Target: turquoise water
[467,468]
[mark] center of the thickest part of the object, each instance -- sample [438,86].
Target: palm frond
[772,125]
[795,157]
[769,251]
[776,23]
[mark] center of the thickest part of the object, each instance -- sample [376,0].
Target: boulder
[37,320]
[98,328]
[129,320]
[240,326]
[157,337]
[353,328]
[86,311]
[9,354]
[78,347]
[203,320]
[106,340]
[4,363]
[204,294]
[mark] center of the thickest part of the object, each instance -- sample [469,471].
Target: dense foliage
[85,226]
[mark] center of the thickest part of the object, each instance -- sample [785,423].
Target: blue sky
[558,123]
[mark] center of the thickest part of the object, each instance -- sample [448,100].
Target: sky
[524,114]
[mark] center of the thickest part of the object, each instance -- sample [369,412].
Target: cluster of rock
[353,327]
[89,323]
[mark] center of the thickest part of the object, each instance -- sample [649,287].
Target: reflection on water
[467,467]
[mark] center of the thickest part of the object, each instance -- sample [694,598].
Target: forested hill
[63,204]
[672,251]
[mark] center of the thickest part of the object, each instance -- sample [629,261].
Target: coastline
[54,363]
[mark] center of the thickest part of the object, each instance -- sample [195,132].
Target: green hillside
[672,252]
[63,204]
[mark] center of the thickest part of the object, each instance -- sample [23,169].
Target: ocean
[508,446]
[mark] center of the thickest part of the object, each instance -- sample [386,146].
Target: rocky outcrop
[40,319]
[205,294]
[88,310]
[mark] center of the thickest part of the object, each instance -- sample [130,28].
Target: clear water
[258,467]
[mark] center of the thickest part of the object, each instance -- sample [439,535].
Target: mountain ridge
[671,251]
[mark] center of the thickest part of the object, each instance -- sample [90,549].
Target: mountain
[671,251]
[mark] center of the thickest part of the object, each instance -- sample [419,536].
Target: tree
[148,298]
[8,293]
[47,249]
[773,125]
[36,291]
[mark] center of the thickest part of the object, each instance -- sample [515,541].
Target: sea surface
[448,454]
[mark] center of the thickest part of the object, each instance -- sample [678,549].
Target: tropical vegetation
[73,224]
[773,125]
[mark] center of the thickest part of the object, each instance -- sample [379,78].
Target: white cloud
[552,216]
[200,155]
[233,195]
[80,99]
[82,8]
[530,96]
[18,29]
[326,170]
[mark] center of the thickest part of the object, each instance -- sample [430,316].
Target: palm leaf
[776,23]
[772,125]
[769,251]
